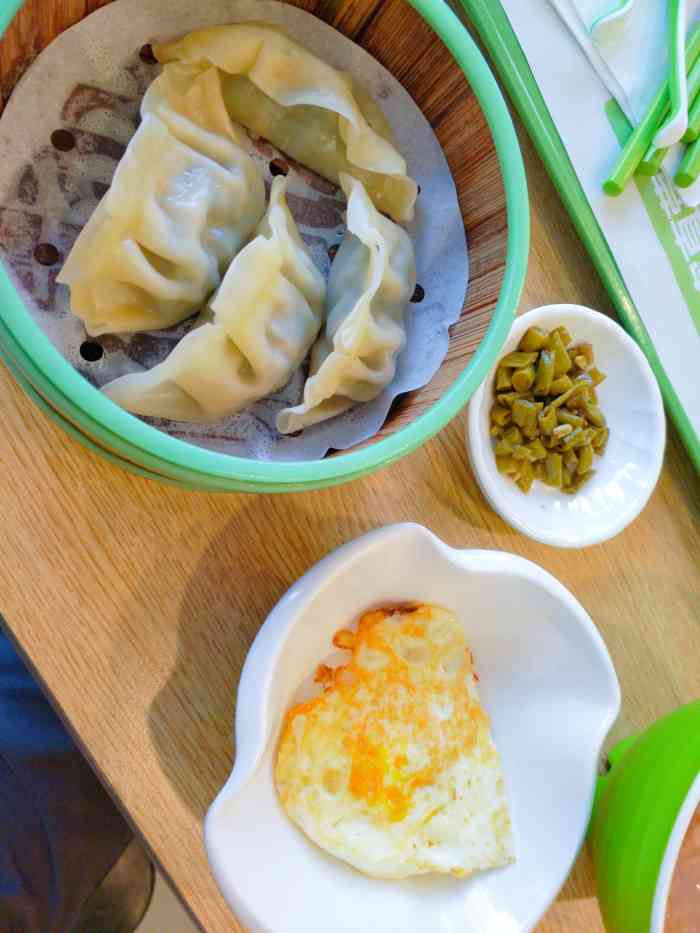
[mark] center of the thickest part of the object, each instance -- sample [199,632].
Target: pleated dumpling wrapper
[393,768]
[184,199]
[315,114]
[372,278]
[255,333]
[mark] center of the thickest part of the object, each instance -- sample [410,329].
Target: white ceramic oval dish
[546,680]
[625,475]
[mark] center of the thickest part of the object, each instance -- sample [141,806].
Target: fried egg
[392,768]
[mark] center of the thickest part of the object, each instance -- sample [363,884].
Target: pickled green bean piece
[509,398]
[526,477]
[586,350]
[503,448]
[566,337]
[523,378]
[525,412]
[564,416]
[530,431]
[580,362]
[595,416]
[533,339]
[547,420]
[574,439]
[537,448]
[538,468]
[523,453]
[562,362]
[553,470]
[560,385]
[513,435]
[596,375]
[600,440]
[570,461]
[585,459]
[545,373]
[578,482]
[502,379]
[518,360]
[506,465]
[562,431]
[564,397]
[501,416]
[495,430]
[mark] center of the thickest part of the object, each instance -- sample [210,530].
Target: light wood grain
[136,603]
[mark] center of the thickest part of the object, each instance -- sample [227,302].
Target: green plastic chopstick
[689,169]
[693,131]
[643,134]
[654,156]
[677,121]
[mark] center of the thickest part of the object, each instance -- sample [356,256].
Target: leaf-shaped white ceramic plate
[546,680]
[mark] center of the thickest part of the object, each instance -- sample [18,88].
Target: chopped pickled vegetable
[564,416]
[534,339]
[502,379]
[586,350]
[578,482]
[518,360]
[585,459]
[575,438]
[570,461]
[595,416]
[566,337]
[509,398]
[523,378]
[561,384]
[523,453]
[561,430]
[539,451]
[506,465]
[526,477]
[503,448]
[600,441]
[553,470]
[545,373]
[500,415]
[562,363]
[546,420]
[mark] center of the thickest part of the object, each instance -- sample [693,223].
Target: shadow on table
[239,578]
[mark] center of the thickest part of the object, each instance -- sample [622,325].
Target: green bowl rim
[132,437]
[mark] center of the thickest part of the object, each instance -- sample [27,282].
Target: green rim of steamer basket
[637,804]
[138,443]
[493,26]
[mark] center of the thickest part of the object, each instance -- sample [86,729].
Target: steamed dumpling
[303,106]
[372,278]
[183,201]
[256,332]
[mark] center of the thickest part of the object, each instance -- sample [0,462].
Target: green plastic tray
[493,26]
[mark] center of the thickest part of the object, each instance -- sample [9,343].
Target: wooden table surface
[136,603]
